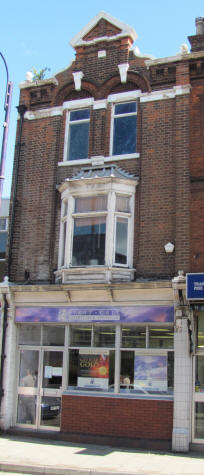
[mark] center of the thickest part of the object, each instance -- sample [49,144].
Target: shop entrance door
[40,388]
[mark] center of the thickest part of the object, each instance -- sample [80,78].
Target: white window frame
[113,116]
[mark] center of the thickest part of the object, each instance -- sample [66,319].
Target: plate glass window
[124,128]
[78,137]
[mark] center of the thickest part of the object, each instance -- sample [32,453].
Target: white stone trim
[165,94]
[38,82]
[102,53]
[126,30]
[180,90]
[78,103]
[100,104]
[43,113]
[88,161]
[124,96]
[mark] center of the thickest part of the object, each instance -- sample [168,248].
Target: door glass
[52,369]
[28,373]
[53,336]
[50,411]
[26,413]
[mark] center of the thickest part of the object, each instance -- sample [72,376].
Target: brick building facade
[106,220]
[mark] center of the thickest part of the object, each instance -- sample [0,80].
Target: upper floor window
[124,128]
[3,236]
[97,220]
[78,134]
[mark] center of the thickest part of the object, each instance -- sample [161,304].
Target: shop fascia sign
[195,286]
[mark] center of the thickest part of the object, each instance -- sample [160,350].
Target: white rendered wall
[182,387]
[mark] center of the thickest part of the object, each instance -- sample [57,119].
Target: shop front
[103,371]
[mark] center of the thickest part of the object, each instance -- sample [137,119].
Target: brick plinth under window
[117,419]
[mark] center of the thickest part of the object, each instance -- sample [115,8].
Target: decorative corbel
[123,69]
[77,80]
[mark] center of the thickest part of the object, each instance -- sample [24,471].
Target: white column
[182,385]
[9,380]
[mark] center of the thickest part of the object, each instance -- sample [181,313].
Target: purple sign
[133,314]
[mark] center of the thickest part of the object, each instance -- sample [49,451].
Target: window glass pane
[3,241]
[199,420]
[26,412]
[53,336]
[3,224]
[161,337]
[104,336]
[87,371]
[127,370]
[200,331]
[89,241]
[50,411]
[91,203]
[124,137]
[28,373]
[199,379]
[133,337]
[64,227]
[122,203]
[121,241]
[80,114]
[125,108]
[52,369]
[78,141]
[81,336]
[29,335]
[146,374]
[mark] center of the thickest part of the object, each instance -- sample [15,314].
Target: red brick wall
[131,418]
[197,176]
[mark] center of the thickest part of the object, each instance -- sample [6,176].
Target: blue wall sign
[195,286]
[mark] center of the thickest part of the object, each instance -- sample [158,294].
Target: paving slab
[28,456]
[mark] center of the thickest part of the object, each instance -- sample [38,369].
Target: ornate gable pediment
[102,27]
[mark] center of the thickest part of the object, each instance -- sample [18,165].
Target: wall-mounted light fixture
[169,248]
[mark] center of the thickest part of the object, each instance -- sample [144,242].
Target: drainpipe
[21,110]
[3,356]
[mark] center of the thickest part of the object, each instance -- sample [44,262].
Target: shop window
[124,128]
[133,337]
[78,134]
[81,336]
[146,373]
[161,337]
[200,331]
[91,370]
[37,335]
[199,420]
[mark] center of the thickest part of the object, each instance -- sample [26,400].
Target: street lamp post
[7,106]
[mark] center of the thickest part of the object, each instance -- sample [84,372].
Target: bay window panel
[89,241]
[121,239]
[122,204]
[91,203]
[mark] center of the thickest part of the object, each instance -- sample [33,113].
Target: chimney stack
[199,21]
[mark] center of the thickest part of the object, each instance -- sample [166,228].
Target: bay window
[97,221]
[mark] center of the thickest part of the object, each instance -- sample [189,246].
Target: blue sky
[37,34]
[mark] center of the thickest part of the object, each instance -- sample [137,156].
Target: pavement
[27,455]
